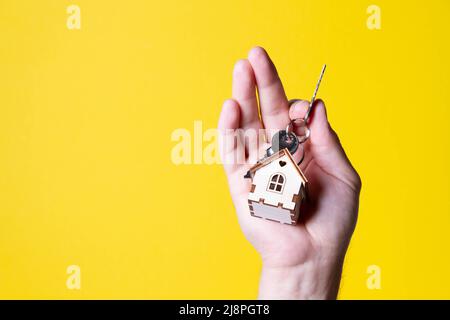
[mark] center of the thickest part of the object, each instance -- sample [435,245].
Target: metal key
[282,139]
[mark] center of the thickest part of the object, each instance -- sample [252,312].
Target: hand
[302,261]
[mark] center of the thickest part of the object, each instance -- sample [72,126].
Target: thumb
[323,135]
[325,147]
[321,132]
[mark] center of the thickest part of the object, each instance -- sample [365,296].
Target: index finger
[272,98]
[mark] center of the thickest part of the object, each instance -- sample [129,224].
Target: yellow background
[86,118]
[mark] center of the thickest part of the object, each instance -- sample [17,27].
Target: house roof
[262,163]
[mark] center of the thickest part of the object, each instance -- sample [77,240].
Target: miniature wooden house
[278,188]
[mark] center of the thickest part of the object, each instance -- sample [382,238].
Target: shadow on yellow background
[86,117]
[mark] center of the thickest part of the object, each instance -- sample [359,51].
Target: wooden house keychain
[278,184]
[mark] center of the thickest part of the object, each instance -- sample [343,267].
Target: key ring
[300,123]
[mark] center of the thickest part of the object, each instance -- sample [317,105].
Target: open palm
[328,216]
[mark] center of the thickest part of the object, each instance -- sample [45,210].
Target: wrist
[312,280]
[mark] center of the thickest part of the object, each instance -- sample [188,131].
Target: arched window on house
[276,183]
